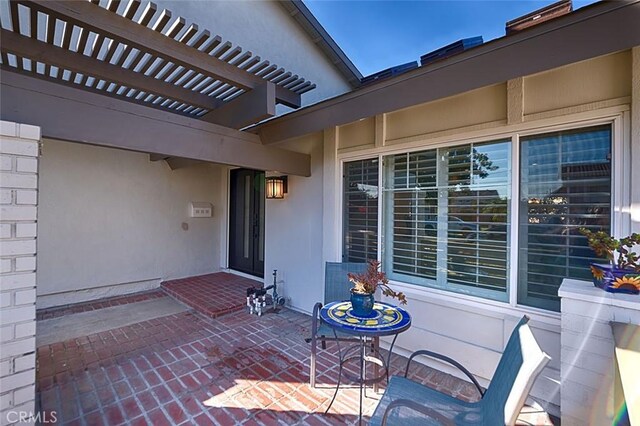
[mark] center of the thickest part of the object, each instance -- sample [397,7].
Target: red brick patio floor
[190,369]
[213,294]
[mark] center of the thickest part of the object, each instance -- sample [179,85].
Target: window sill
[492,307]
[585,291]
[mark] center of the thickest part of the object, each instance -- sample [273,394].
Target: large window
[447,214]
[565,184]
[446,217]
[360,217]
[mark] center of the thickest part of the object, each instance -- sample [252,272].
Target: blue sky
[377,35]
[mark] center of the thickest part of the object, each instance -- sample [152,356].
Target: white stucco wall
[265,29]
[293,232]
[111,222]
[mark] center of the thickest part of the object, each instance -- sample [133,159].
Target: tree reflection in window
[447,217]
[565,184]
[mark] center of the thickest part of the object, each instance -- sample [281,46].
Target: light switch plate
[200,209]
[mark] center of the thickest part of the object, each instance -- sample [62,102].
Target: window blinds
[447,217]
[360,215]
[565,184]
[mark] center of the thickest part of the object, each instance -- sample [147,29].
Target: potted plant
[365,286]
[622,273]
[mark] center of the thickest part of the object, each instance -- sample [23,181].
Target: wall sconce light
[276,187]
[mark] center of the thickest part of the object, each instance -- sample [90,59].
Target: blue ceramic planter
[614,280]
[362,305]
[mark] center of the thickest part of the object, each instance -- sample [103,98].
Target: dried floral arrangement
[369,281]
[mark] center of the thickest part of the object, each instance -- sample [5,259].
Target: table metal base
[358,352]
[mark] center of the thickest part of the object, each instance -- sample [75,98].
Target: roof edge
[358,104]
[321,38]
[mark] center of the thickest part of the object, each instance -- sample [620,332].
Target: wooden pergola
[76,68]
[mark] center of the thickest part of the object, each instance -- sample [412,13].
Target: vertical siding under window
[360,211]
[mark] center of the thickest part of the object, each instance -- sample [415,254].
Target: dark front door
[246,222]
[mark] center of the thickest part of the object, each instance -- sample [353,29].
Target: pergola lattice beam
[106,23]
[53,55]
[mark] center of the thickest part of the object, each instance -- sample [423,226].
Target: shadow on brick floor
[190,369]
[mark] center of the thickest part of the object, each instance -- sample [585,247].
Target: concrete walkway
[85,323]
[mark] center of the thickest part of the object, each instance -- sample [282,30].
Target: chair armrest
[316,310]
[448,360]
[316,317]
[429,412]
[314,322]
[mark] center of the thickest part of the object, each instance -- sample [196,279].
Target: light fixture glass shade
[276,187]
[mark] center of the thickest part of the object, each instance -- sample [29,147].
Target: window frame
[437,282]
[617,117]
[522,291]
[341,205]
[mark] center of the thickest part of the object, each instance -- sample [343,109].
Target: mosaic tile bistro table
[385,320]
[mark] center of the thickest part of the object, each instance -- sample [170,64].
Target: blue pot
[362,305]
[615,280]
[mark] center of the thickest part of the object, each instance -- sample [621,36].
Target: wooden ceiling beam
[175,163]
[101,92]
[90,16]
[248,108]
[65,59]
[157,157]
[119,124]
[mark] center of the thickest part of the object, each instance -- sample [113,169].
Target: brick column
[19,147]
[587,353]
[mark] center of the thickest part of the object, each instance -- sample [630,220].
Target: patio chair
[336,288]
[409,403]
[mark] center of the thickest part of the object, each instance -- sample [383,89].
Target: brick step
[212,295]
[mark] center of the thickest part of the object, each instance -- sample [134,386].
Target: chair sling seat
[447,410]
[520,364]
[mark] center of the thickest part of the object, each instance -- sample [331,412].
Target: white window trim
[514,235]
[617,117]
